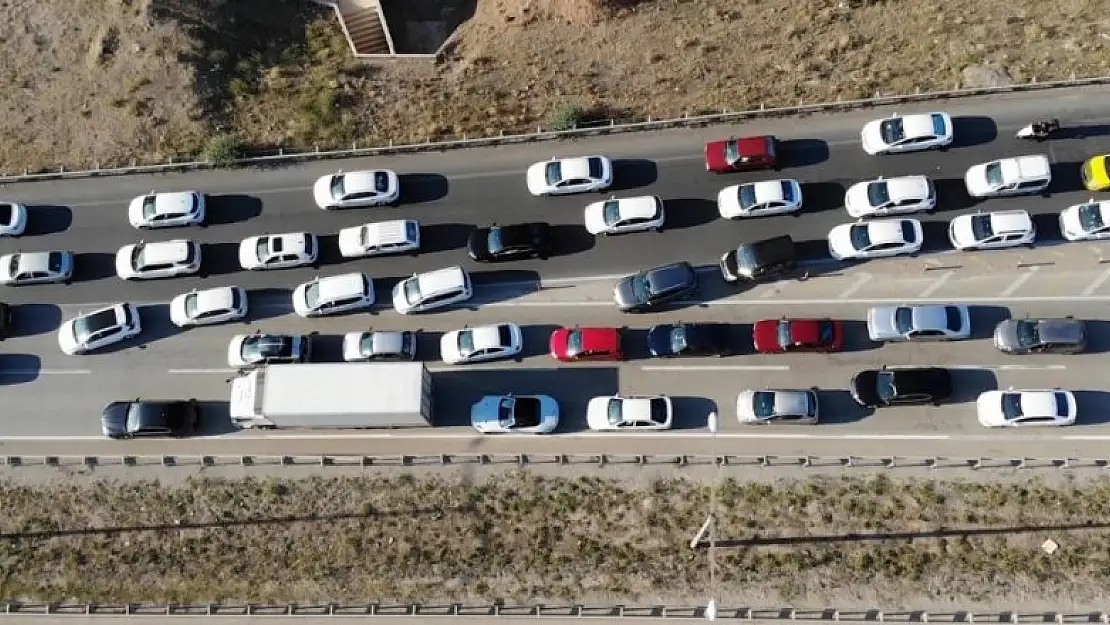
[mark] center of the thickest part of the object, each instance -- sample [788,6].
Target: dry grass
[521,537]
[112,80]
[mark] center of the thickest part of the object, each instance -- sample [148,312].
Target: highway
[53,401]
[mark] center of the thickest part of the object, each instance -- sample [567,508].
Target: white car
[333,295]
[760,199]
[562,176]
[167,210]
[161,259]
[379,346]
[398,236]
[13,219]
[431,290]
[890,196]
[928,322]
[355,189]
[523,414]
[634,412]
[98,329]
[1035,408]
[208,307]
[907,133]
[278,251]
[1020,175]
[624,215]
[777,406]
[36,268]
[1089,221]
[881,238]
[992,231]
[492,342]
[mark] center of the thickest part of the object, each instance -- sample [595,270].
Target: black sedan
[875,388]
[512,242]
[689,339]
[146,417]
[653,288]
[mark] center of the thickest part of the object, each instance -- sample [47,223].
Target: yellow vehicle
[1095,176]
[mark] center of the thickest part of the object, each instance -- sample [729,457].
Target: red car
[779,336]
[739,154]
[573,344]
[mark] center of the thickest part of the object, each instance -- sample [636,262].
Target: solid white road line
[937,284]
[862,280]
[1017,283]
[695,368]
[1012,299]
[200,371]
[1010,367]
[1096,283]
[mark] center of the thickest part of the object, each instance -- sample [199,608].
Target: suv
[431,290]
[761,260]
[1041,336]
[145,417]
[876,388]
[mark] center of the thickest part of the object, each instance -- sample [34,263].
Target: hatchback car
[907,133]
[279,251]
[890,196]
[1026,408]
[780,336]
[574,344]
[511,242]
[563,176]
[432,290]
[881,238]
[741,154]
[652,288]
[992,231]
[13,219]
[333,295]
[24,268]
[777,406]
[1041,336]
[379,346]
[250,350]
[98,329]
[625,215]
[932,322]
[1089,221]
[875,388]
[1094,173]
[162,259]
[760,260]
[150,417]
[209,307]
[398,236]
[634,412]
[481,344]
[672,340]
[1019,175]
[167,210]
[356,189]
[519,414]
[760,199]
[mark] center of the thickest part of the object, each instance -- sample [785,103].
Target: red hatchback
[779,336]
[572,344]
[739,154]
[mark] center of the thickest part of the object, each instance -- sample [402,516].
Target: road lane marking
[1011,367]
[715,368]
[1013,299]
[1096,283]
[200,371]
[937,284]
[862,280]
[1021,280]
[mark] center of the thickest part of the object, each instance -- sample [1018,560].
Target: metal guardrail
[566,460]
[606,127]
[459,610]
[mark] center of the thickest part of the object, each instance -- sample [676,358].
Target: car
[760,199]
[741,154]
[398,236]
[907,133]
[780,336]
[13,219]
[431,290]
[625,215]
[333,295]
[278,251]
[141,418]
[252,350]
[209,307]
[1041,336]
[574,344]
[670,340]
[656,287]
[357,189]
[992,231]
[765,406]
[512,242]
[161,259]
[1026,408]
[98,329]
[634,412]
[523,414]
[880,238]
[563,176]
[167,210]
[482,343]
[901,386]
[1089,221]
[890,196]
[1094,173]
[7,315]
[379,346]
[24,268]
[760,260]
[1019,175]
[928,322]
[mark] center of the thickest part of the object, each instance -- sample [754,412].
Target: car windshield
[13,265]
[747,195]
[337,186]
[763,404]
[616,411]
[678,339]
[1028,333]
[553,173]
[594,165]
[505,411]
[412,291]
[381,182]
[495,242]
[641,288]
[262,248]
[859,236]
[312,295]
[732,151]
[267,345]
[891,130]
[658,411]
[1090,217]
[466,342]
[611,212]
[787,192]
[786,336]
[745,256]
[994,174]
[826,330]
[85,327]
[940,128]
[191,301]
[135,416]
[366,345]
[574,342]
[1011,406]
[884,386]
[150,205]
[953,318]
[54,261]
[981,227]
[878,193]
[903,319]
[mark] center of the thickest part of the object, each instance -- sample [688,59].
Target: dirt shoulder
[116,81]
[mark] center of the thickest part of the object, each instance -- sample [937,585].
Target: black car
[267,349]
[5,320]
[512,242]
[761,260]
[146,417]
[653,288]
[689,339]
[875,388]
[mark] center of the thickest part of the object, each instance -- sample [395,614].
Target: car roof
[575,167]
[920,379]
[1025,167]
[753,146]
[674,273]
[641,206]
[163,252]
[387,341]
[1059,330]
[886,231]
[342,286]
[173,202]
[1011,221]
[359,181]
[929,316]
[35,261]
[219,298]
[393,231]
[486,336]
[597,338]
[905,187]
[790,401]
[918,125]
[439,280]
[1038,402]
[636,409]
[768,190]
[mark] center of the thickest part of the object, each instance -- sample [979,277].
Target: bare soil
[112,81]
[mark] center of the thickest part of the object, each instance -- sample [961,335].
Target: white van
[377,239]
[434,289]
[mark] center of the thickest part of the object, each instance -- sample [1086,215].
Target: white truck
[333,395]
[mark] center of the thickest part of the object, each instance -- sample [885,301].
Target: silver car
[1041,336]
[777,405]
[938,322]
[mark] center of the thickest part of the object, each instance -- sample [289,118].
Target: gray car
[1041,336]
[653,288]
[938,322]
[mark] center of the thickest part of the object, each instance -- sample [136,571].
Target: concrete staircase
[365,27]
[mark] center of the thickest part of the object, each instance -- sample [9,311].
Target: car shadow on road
[1098,336]
[47,219]
[215,418]
[537,339]
[856,338]
[569,239]
[634,343]
[35,319]
[836,407]
[802,152]
[952,195]
[428,346]
[935,232]
[969,384]
[1092,407]
[326,347]
[1048,230]
[689,212]
[445,237]
[1065,178]
[1080,131]
[692,413]
[92,266]
[231,208]
[821,196]
[814,254]
[499,285]
[156,325]
[972,130]
[984,319]
[632,173]
[268,303]
[219,259]
[19,368]
[422,188]
[329,251]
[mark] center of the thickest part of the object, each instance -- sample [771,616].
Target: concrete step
[367,31]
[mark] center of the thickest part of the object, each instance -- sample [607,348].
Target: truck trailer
[333,395]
